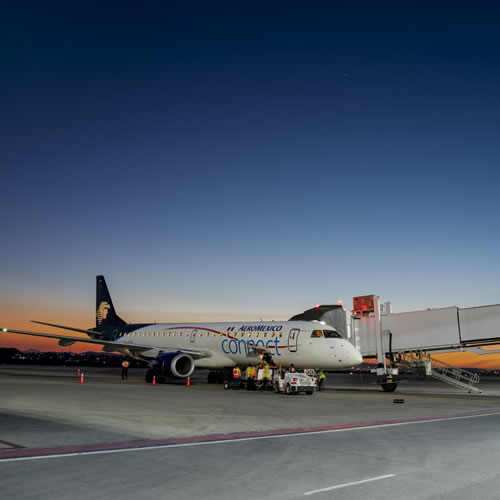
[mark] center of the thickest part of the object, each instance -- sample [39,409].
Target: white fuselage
[235,343]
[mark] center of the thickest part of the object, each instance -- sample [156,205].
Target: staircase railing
[423,364]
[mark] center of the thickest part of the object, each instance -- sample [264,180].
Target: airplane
[175,349]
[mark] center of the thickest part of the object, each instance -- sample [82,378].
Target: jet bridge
[409,337]
[432,329]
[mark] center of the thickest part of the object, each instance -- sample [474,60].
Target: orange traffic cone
[82,380]
[188,382]
[154,380]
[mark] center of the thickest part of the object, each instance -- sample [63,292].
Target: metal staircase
[423,365]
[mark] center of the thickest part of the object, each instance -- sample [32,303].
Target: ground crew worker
[292,369]
[253,376]
[267,376]
[125,365]
[249,376]
[236,377]
[321,379]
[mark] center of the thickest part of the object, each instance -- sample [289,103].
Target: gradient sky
[247,160]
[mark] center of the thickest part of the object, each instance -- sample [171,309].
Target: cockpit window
[316,334]
[331,334]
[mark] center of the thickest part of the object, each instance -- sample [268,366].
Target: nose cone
[355,357]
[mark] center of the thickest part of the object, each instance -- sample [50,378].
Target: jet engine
[174,364]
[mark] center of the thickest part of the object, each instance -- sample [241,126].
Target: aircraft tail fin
[105,315]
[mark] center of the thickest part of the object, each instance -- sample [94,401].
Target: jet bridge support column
[366,309]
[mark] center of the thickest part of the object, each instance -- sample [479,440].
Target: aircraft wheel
[389,387]
[149,376]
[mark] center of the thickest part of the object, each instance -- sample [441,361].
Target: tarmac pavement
[110,438]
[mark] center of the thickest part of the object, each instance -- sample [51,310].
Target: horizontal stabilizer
[91,333]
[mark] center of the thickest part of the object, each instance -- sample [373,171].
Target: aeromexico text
[261,328]
[243,346]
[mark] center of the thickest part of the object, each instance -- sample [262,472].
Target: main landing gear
[215,377]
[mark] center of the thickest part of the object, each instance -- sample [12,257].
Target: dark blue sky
[250,158]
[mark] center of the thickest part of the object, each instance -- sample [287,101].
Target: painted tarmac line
[8,445]
[337,487]
[157,444]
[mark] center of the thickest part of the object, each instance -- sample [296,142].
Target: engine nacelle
[174,364]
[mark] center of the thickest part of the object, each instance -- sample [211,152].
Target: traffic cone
[82,380]
[154,380]
[78,372]
[188,382]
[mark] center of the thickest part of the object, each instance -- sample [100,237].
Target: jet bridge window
[332,334]
[317,334]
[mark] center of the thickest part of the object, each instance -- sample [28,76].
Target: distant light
[4,330]
[341,301]
[317,306]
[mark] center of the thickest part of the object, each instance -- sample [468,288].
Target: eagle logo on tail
[102,312]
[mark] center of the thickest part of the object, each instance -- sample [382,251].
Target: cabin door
[292,339]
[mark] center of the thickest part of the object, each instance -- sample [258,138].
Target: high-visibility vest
[236,372]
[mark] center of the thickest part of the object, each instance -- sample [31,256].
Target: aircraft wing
[112,345]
